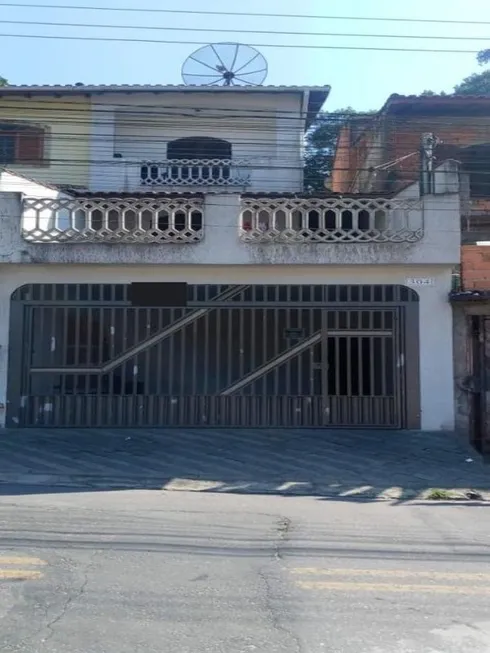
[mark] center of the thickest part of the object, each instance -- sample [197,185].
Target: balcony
[331,220]
[195,172]
[114,220]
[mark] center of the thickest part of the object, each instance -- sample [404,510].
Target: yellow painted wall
[67,139]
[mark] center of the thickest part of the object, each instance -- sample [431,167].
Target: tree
[428,93]
[321,140]
[3,81]
[478,83]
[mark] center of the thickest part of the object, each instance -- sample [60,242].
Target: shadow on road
[328,464]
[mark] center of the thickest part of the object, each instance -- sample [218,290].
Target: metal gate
[309,356]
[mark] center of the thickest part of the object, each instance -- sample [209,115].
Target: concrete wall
[436,364]
[462,368]
[221,244]
[264,127]
[67,125]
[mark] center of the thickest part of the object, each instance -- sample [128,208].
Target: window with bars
[21,143]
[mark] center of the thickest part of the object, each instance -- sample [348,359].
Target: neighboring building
[45,135]
[471,309]
[185,279]
[399,145]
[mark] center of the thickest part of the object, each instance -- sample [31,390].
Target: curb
[333,491]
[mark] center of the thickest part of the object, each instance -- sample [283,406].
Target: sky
[362,78]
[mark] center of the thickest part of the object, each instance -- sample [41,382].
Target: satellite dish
[225,64]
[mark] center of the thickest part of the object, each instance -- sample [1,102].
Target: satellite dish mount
[225,64]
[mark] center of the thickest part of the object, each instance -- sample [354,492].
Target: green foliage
[321,140]
[428,93]
[3,81]
[483,57]
[476,84]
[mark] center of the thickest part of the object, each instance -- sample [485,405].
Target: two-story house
[398,146]
[160,265]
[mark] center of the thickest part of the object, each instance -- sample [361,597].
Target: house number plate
[419,281]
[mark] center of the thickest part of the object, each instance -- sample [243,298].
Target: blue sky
[361,79]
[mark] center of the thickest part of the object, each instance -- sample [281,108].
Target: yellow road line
[389,587]
[21,560]
[19,574]
[390,572]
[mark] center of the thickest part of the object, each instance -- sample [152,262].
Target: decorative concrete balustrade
[330,220]
[181,219]
[114,220]
[194,172]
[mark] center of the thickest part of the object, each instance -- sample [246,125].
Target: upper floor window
[20,143]
[199,147]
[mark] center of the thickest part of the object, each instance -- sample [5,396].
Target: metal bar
[171,356]
[241,343]
[384,344]
[360,366]
[205,371]
[128,354]
[65,312]
[182,362]
[146,355]
[272,364]
[348,366]
[337,364]
[371,367]
[230,350]
[194,343]
[276,337]
[217,376]
[265,313]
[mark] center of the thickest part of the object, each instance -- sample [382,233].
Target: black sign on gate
[158,294]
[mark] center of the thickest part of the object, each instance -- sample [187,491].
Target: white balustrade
[194,172]
[114,220]
[330,220]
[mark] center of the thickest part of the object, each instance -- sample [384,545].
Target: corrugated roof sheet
[417,101]
[79,87]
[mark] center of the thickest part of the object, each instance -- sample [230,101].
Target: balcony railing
[194,172]
[331,220]
[115,220]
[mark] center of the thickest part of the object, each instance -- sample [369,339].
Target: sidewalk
[337,463]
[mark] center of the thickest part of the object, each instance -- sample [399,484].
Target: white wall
[265,127]
[436,361]
[13,183]
[221,244]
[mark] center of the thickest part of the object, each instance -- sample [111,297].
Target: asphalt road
[177,572]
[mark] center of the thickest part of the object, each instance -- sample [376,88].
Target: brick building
[402,143]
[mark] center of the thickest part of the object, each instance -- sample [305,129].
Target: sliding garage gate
[305,356]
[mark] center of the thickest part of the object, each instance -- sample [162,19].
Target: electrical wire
[176,112]
[247,14]
[241,31]
[64,37]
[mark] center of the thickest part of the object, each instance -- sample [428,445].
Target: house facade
[185,278]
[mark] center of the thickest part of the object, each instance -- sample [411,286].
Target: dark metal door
[477,383]
[251,356]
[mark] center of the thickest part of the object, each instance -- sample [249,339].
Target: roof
[315,95]
[33,180]
[401,104]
